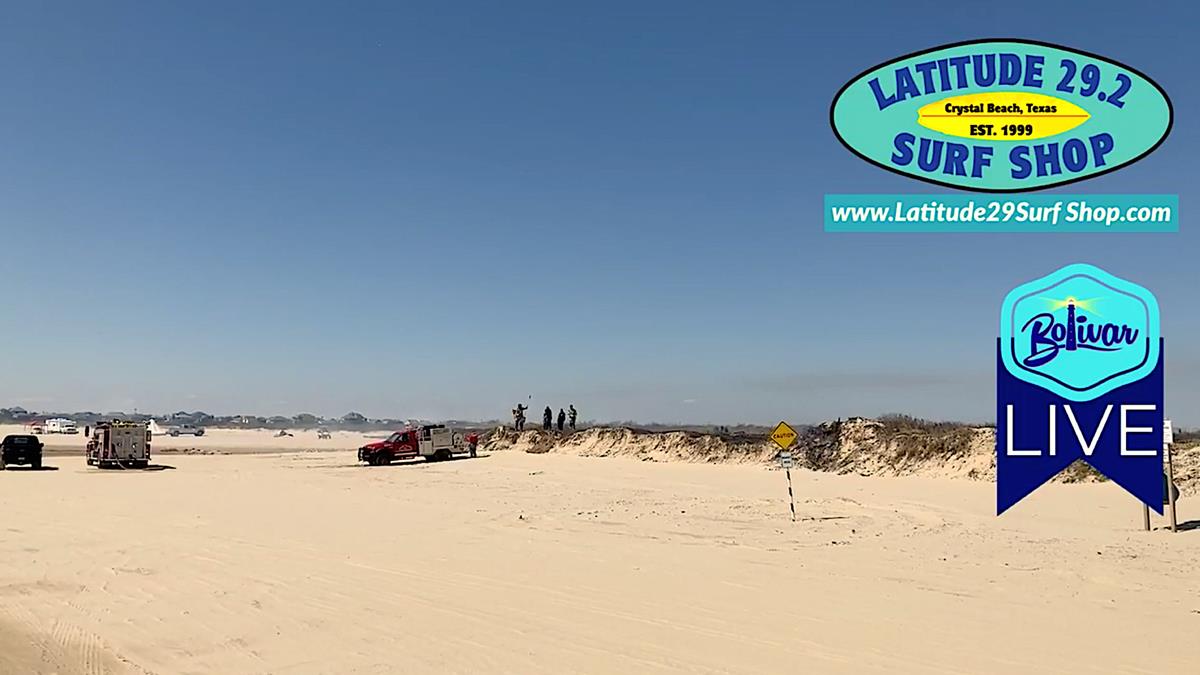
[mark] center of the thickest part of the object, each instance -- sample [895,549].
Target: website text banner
[1024,213]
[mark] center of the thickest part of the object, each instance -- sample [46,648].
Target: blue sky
[439,209]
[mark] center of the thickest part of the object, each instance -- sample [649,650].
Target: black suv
[21,449]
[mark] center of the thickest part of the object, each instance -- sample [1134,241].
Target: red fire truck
[434,442]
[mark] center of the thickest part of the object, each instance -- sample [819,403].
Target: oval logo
[1002,115]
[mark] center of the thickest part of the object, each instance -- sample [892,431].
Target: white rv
[61,425]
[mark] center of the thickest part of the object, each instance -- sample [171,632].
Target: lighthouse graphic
[1073,326]
[1071,344]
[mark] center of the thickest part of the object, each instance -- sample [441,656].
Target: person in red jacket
[472,442]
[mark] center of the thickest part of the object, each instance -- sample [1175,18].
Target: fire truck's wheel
[36,463]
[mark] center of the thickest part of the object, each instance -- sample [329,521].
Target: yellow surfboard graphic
[1002,116]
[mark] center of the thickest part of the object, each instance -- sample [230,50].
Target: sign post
[784,436]
[1168,439]
[1169,491]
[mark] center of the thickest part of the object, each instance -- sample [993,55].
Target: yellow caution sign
[784,435]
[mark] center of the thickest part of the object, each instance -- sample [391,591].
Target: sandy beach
[216,440]
[521,563]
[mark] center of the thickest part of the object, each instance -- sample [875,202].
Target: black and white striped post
[784,436]
[785,458]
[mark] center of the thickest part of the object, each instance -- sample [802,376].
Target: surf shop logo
[1001,115]
[1079,376]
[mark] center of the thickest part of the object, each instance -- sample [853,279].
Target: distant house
[354,418]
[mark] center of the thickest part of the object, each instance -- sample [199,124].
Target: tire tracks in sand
[35,647]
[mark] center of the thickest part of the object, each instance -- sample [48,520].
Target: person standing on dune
[571,415]
[547,417]
[562,418]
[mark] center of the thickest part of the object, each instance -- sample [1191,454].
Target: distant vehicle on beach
[60,425]
[186,430]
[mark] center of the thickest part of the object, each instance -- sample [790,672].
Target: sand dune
[524,563]
[857,446]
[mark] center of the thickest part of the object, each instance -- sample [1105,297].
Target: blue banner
[1038,434]
[1079,376]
